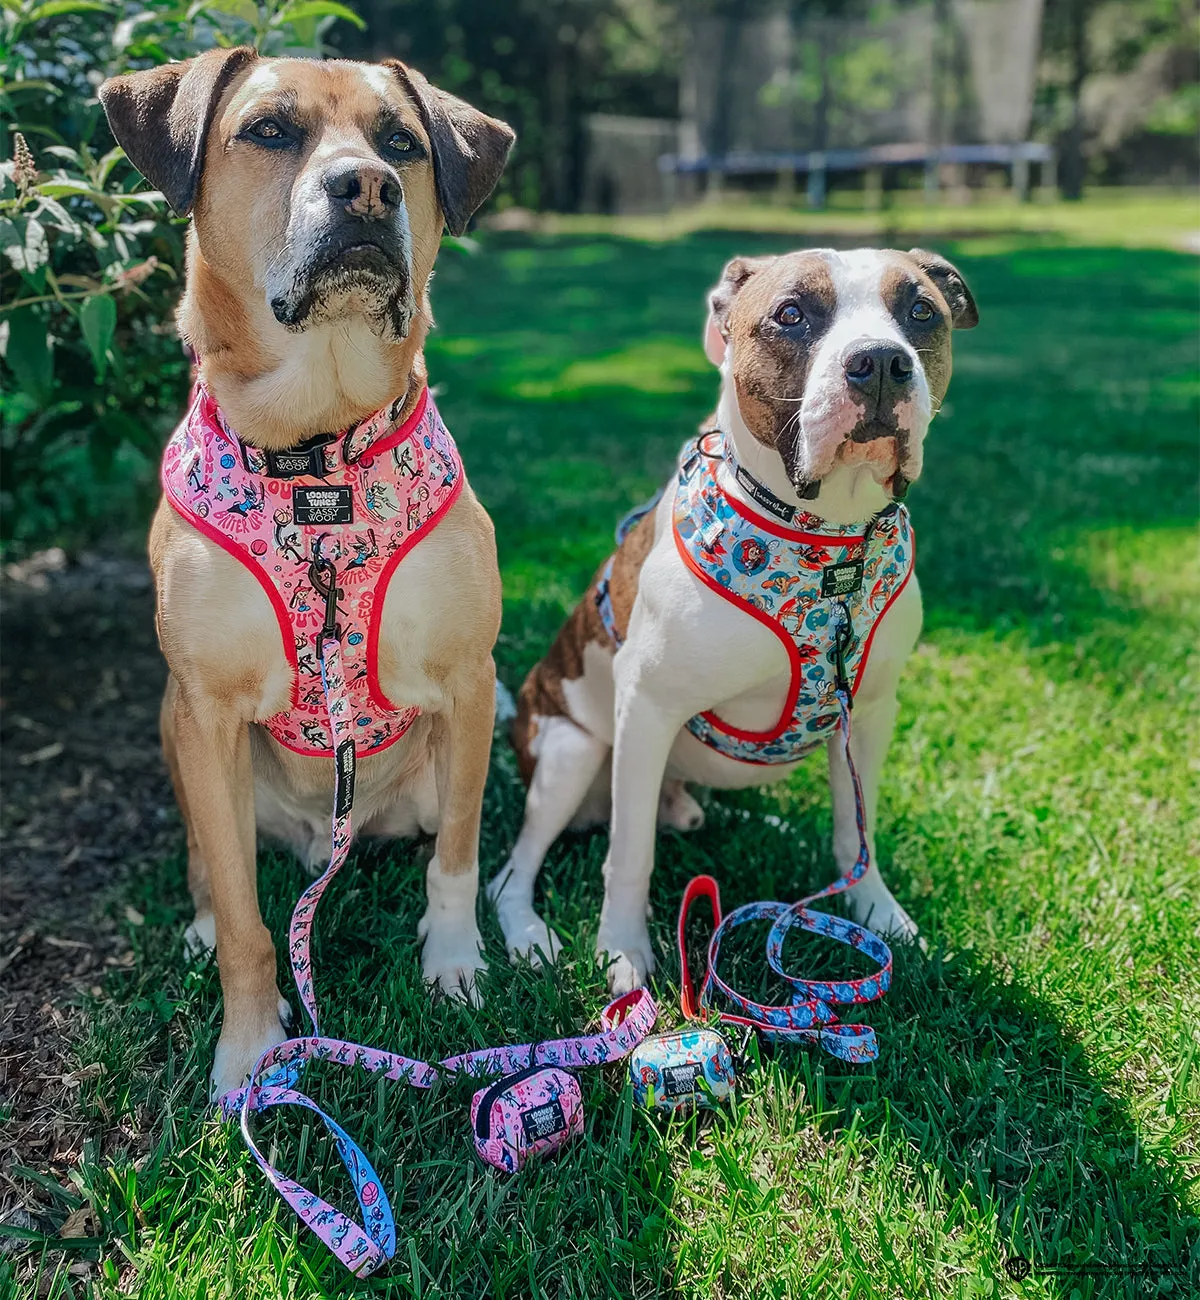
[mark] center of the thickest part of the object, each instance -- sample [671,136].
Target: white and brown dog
[318,194]
[709,646]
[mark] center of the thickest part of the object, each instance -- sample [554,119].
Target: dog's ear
[720,300]
[160,117]
[964,315]
[469,148]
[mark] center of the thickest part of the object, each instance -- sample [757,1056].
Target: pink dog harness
[360,499]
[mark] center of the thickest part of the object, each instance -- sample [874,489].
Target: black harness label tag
[294,464]
[544,1121]
[322,505]
[343,790]
[842,579]
[680,1080]
[762,495]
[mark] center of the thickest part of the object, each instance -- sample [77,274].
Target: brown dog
[318,193]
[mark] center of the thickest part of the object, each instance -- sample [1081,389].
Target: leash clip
[841,641]
[322,573]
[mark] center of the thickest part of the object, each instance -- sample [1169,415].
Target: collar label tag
[294,464]
[762,495]
[544,1121]
[322,505]
[842,579]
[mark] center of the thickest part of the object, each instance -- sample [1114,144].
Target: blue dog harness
[821,588]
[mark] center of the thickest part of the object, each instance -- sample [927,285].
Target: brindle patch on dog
[542,694]
[900,288]
[771,359]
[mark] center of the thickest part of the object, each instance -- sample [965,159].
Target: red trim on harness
[765,737]
[891,600]
[793,654]
[397,436]
[774,526]
[374,685]
[282,619]
[393,439]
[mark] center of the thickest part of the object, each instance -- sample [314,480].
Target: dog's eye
[268,132]
[401,142]
[922,310]
[789,315]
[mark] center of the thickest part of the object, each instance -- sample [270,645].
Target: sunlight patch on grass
[653,366]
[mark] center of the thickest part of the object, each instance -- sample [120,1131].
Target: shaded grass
[1037,1091]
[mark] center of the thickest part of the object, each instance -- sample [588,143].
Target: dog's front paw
[200,938]
[243,1040]
[528,937]
[452,960]
[882,914]
[626,956]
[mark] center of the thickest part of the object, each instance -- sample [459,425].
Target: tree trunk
[1073,163]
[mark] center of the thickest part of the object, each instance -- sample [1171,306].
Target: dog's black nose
[875,365]
[368,189]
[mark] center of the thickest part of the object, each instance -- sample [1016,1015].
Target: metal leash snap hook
[322,573]
[841,640]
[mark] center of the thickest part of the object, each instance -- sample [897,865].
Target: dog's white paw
[452,960]
[200,938]
[241,1045]
[677,808]
[626,956]
[885,916]
[527,936]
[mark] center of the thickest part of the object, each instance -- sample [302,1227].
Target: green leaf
[56,215]
[30,83]
[98,321]
[28,354]
[62,188]
[23,242]
[57,8]
[317,9]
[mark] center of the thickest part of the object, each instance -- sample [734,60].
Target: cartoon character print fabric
[381,488]
[675,1071]
[788,577]
[526,1115]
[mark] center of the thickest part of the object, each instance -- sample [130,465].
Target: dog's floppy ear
[720,300]
[964,315]
[469,148]
[160,118]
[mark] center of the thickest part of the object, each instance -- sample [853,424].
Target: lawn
[1038,1088]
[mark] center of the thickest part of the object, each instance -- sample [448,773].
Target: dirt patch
[85,800]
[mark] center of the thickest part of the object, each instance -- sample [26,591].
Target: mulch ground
[85,800]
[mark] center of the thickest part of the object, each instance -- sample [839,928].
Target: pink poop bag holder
[531,1113]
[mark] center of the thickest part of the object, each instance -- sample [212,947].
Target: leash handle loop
[811,1015]
[698,887]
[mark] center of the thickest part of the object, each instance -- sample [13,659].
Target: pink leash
[364,1246]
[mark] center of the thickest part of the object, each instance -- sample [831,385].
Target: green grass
[1038,1085]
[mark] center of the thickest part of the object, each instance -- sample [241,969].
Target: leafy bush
[93,373]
